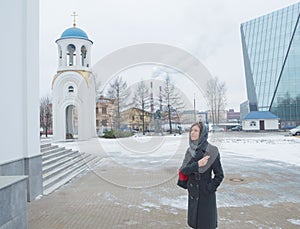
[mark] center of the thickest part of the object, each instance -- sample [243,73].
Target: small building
[260,120]
[132,119]
[105,114]
[233,116]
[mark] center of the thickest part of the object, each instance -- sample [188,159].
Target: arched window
[71,55]
[70,89]
[83,55]
[60,52]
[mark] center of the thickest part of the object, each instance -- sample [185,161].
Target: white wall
[271,124]
[83,98]
[78,43]
[246,125]
[19,87]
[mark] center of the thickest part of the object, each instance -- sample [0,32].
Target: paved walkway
[254,194]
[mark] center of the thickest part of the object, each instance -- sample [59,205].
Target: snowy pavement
[134,185]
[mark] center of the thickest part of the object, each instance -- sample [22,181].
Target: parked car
[216,129]
[295,131]
[237,128]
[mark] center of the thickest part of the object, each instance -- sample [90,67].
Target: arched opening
[59,52]
[71,55]
[83,55]
[71,122]
[70,89]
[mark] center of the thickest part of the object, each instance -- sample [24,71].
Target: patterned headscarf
[200,148]
[199,144]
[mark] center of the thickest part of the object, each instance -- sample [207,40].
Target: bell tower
[73,87]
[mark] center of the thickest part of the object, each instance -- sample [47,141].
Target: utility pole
[194,109]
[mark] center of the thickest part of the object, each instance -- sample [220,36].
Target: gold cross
[74,20]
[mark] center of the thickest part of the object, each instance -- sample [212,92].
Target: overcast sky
[208,29]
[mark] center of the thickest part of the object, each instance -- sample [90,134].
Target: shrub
[116,134]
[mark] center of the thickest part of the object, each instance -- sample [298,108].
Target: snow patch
[150,205]
[108,196]
[294,221]
[180,202]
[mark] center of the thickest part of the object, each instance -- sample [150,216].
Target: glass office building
[271,51]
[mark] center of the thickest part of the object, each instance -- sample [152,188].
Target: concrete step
[45,145]
[55,153]
[53,150]
[60,165]
[51,166]
[48,147]
[65,153]
[64,166]
[64,177]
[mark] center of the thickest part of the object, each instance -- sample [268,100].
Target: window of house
[97,110]
[252,123]
[104,122]
[104,111]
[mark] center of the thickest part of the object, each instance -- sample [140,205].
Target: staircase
[60,165]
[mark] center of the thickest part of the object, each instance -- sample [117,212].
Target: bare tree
[216,98]
[172,101]
[45,114]
[142,100]
[118,91]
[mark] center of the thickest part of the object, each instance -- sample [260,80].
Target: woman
[195,174]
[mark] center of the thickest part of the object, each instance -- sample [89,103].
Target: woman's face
[195,133]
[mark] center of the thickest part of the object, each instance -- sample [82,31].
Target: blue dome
[74,32]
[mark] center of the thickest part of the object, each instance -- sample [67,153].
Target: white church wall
[83,98]
[11,90]
[19,99]
[19,90]
[32,75]
[78,43]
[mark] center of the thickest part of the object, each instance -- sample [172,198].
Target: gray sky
[208,29]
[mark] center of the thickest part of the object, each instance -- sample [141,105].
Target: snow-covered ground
[267,146]
[154,151]
[267,163]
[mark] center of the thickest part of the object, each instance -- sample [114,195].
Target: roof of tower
[74,32]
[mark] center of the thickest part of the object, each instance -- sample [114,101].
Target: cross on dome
[74,19]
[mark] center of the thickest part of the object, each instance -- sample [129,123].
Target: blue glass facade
[271,50]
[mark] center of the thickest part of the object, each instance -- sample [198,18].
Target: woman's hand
[203,161]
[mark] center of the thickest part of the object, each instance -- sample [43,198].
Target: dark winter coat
[202,207]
